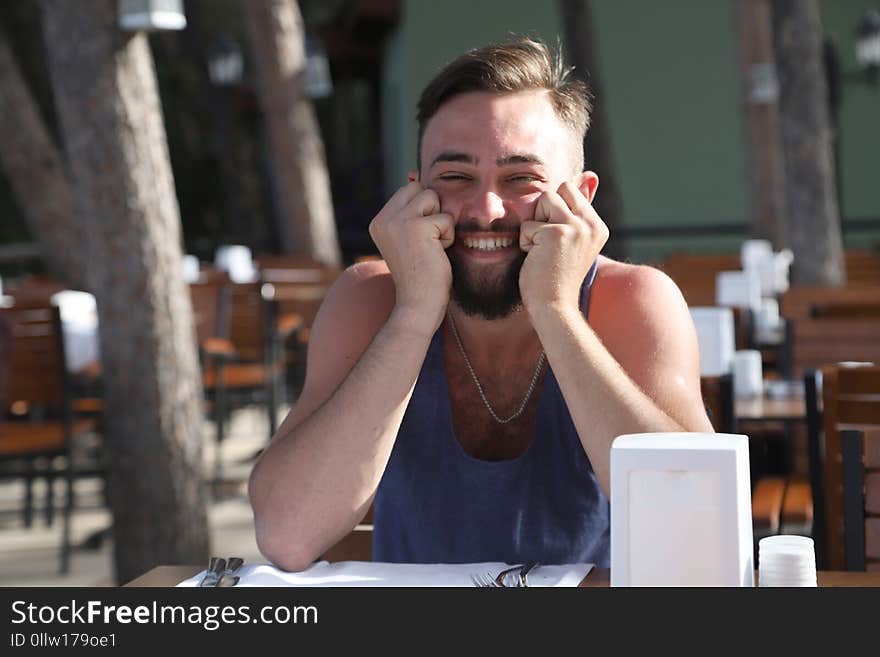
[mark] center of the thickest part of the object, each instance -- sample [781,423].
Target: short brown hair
[519,64]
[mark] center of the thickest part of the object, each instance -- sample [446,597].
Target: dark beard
[484,295]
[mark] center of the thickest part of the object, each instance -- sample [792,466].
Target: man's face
[489,157]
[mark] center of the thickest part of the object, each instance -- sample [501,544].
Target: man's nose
[486,205]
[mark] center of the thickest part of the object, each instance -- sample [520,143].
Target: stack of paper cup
[748,374]
[786,561]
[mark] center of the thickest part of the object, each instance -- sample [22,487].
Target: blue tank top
[437,504]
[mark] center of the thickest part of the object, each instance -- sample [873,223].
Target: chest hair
[476,430]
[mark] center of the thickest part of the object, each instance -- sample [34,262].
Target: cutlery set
[221,572]
[499,581]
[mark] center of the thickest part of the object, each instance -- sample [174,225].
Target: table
[771,409]
[790,410]
[164,576]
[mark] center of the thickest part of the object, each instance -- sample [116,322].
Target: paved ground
[29,556]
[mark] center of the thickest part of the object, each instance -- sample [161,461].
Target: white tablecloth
[376,574]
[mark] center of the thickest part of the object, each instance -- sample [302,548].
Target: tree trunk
[811,197]
[300,183]
[760,92]
[36,174]
[598,156]
[111,124]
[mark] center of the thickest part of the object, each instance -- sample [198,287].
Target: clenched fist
[412,234]
[562,241]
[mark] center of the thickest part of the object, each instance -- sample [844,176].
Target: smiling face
[489,157]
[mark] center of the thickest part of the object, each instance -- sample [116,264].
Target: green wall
[859,122]
[672,91]
[672,88]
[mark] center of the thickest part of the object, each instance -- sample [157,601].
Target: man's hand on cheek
[412,234]
[562,241]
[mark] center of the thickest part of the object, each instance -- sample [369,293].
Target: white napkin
[369,573]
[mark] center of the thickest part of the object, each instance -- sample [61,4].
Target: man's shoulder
[358,303]
[371,278]
[633,290]
[362,291]
[628,280]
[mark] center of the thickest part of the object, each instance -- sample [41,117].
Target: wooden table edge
[170,576]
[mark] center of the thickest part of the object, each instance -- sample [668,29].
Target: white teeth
[488,243]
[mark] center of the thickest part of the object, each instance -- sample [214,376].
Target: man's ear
[587,182]
[412,176]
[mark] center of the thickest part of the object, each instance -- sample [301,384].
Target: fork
[524,572]
[487,581]
[216,566]
[221,573]
[229,578]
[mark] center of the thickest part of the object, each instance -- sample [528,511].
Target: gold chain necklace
[473,374]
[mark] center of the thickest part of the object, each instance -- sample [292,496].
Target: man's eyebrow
[520,158]
[453,156]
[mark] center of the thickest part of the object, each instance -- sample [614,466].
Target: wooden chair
[851,403]
[852,310]
[41,443]
[812,343]
[210,303]
[862,267]
[861,497]
[695,274]
[719,401]
[798,301]
[816,462]
[299,292]
[250,367]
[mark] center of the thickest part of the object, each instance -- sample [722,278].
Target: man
[473,381]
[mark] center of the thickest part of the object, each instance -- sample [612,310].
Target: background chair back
[861,493]
[797,301]
[850,400]
[37,376]
[210,303]
[36,368]
[250,317]
[5,356]
[719,401]
[816,464]
[816,342]
[853,310]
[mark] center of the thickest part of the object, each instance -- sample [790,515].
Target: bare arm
[318,477]
[633,368]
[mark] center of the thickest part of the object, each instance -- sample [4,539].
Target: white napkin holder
[237,261]
[715,338]
[755,252]
[738,289]
[681,510]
